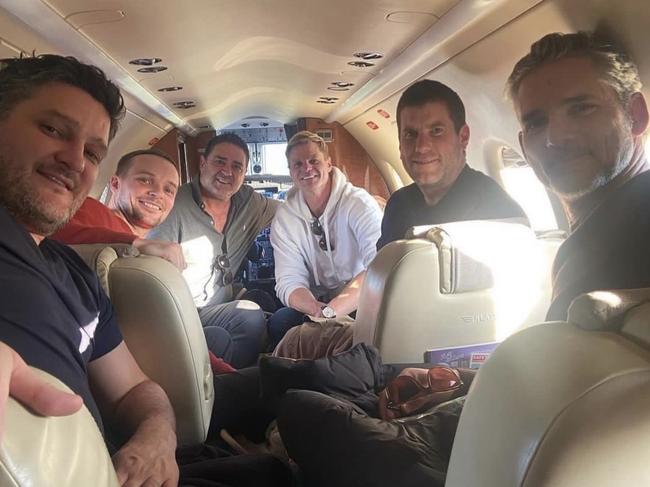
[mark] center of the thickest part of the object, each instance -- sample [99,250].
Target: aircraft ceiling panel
[230,50]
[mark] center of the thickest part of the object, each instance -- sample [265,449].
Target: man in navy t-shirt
[433,138]
[583,118]
[57,117]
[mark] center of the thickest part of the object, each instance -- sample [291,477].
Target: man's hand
[19,381]
[148,458]
[169,251]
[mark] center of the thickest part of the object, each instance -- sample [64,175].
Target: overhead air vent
[329,98]
[170,88]
[206,126]
[184,104]
[245,125]
[152,69]
[341,84]
[264,124]
[368,56]
[145,61]
[360,64]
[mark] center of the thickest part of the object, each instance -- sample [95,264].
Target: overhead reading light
[329,98]
[152,69]
[341,84]
[368,56]
[264,124]
[336,88]
[360,64]
[170,88]
[145,61]
[206,126]
[325,102]
[245,125]
[184,104]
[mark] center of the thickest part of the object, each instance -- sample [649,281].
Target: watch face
[328,312]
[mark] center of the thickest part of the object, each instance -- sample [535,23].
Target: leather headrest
[470,251]
[625,311]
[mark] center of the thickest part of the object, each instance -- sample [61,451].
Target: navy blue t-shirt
[473,196]
[53,310]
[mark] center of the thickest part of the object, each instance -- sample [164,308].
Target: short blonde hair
[304,137]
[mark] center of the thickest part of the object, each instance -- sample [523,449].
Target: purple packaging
[468,357]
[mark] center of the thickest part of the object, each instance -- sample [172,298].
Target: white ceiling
[234,58]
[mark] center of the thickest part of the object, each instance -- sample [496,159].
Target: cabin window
[522,185]
[275,162]
[268,159]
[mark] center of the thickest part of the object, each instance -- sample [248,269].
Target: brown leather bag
[415,390]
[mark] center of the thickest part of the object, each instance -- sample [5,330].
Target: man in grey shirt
[216,219]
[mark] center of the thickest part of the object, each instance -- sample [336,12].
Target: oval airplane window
[522,185]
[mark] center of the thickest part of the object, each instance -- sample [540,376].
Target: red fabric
[219,366]
[95,223]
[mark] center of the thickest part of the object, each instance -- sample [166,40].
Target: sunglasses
[225,278]
[222,262]
[317,230]
[419,389]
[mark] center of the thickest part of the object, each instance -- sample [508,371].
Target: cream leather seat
[455,284]
[53,452]
[563,404]
[162,329]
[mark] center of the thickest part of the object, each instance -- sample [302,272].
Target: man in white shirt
[324,237]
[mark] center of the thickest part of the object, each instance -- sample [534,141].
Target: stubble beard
[607,174]
[20,199]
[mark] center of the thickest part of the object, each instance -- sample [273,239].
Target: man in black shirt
[583,117]
[433,137]
[57,117]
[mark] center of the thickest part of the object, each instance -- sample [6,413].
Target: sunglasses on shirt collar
[224,278]
[317,230]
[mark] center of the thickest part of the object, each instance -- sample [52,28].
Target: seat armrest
[47,451]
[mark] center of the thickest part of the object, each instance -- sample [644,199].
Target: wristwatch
[328,312]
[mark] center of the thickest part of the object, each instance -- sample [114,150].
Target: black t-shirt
[53,311]
[474,196]
[609,250]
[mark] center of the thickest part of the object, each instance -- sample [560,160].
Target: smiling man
[57,117]
[583,118]
[323,238]
[216,219]
[143,190]
[433,137]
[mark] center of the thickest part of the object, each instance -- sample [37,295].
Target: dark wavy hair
[227,138]
[20,77]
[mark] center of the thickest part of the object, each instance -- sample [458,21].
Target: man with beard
[143,190]
[583,117]
[216,219]
[57,118]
